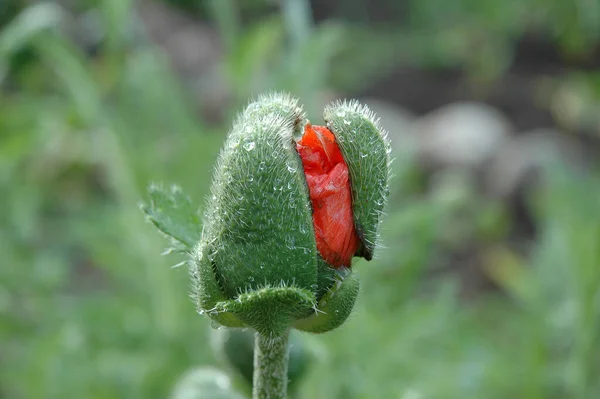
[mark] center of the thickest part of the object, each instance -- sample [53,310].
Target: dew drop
[215,325]
[252,107]
[364,155]
[341,113]
[346,122]
[251,279]
[290,241]
[291,168]
[234,144]
[249,146]
[262,165]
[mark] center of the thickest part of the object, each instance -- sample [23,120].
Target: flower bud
[284,218]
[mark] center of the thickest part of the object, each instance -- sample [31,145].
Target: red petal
[329,188]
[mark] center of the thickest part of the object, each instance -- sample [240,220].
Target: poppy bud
[284,218]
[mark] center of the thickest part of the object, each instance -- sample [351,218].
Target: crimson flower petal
[329,188]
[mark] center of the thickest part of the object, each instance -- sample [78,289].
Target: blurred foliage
[89,309]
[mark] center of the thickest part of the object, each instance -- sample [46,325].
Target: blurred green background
[489,283]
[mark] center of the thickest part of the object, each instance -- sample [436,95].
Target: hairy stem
[270,367]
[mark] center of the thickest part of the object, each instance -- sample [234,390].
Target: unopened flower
[285,217]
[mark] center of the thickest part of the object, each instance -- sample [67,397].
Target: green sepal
[366,150]
[326,277]
[270,310]
[174,214]
[335,307]
[206,290]
[258,218]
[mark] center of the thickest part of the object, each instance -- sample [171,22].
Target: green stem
[271,357]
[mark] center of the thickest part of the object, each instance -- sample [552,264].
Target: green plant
[258,261]
[88,310]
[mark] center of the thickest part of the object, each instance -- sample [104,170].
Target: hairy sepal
[335,306]
[366,150]
[259,220]
[207,292]
[271,311]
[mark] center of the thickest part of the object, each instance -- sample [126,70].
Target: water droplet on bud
[249,146]
[290,241]
[291,168]
[252,107]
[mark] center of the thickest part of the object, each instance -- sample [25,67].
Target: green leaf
[30,23]
[173,213]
